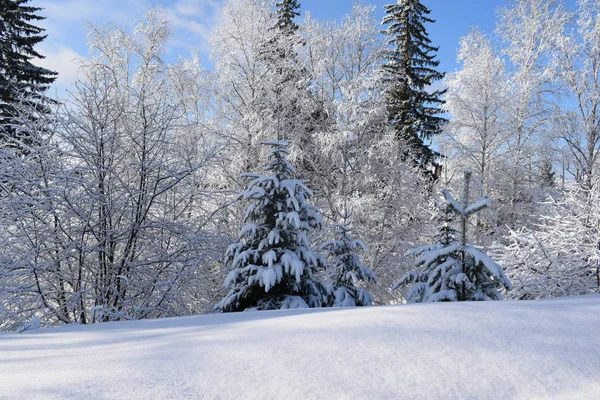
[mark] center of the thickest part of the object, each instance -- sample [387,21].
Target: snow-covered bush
[558,256]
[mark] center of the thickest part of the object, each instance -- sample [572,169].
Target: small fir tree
[409,71]
[20,80]
[454,270]
[272,263]
[348,270]
[547,174]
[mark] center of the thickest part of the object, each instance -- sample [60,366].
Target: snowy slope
[492,350]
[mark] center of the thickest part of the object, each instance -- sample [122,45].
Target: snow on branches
[453,270]
[559,255]
[348,270]
[272,262]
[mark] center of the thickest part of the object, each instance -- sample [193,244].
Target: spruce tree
[21,82]
[272,263]
[289,102]
[287,10]
[451,269]
[284,71]
[413,109]
[348,270]
[547,174]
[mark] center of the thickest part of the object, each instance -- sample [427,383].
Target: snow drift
[484,350]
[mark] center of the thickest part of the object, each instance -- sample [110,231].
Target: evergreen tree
[284,72]
[291,106]
[21,82]
[454,270]
[348,269]
[272,263]
[409,70]
[547,174]
[287,10]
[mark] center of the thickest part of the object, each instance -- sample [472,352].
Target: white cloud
[194,22]
[63,60]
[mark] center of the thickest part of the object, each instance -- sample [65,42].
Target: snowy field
[492,350]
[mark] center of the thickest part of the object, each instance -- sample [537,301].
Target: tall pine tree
[409,71]
[21,82]
[295,114]
[273,265]
[284,71]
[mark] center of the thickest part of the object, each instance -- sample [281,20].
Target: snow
[270,276]
[426,259]
[490,265]
[273,237]
[294,219]
[478,350]
[269,258]
[477,206]
[249,228]
[458,208]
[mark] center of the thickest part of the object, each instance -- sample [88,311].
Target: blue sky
[194,21]
[454,18]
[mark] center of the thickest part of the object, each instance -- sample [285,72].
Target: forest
[315,163]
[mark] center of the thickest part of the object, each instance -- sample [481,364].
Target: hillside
[492,350]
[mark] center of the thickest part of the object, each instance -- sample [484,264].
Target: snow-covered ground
[492,350]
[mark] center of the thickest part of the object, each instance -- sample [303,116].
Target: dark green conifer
[547,174]
[409,71]
[287,10]
[21,82]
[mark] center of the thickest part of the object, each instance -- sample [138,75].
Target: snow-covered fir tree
[284,71]
[414,109]
[453,270]
[347,268]
[273,265]
[429,284]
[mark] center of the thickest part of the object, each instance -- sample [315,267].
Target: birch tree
[578,58]
[121,226]
[527,29]
[477,100]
